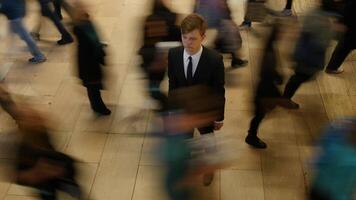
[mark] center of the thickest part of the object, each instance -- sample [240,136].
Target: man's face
[192,41]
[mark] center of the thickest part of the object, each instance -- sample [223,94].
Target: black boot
[256,142]
[96,101]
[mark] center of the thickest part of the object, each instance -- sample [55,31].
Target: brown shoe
[208,179]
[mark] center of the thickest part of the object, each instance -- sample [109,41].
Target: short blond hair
[192,22]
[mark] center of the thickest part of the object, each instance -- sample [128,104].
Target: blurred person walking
[267,95]
[37,163]
[316,35]
[250,17]
[52,14]
[159,28]
[347,43]
[218,16]
[90,57]
[335,165]
[15,11]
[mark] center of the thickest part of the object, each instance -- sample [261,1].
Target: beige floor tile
[241,184]
[88,120]
[121,153]
[48,79]
[87,146]
[150,184]
[21,190]
[86,174]
[5,169]
[67,104]
[16,197]
[129,120]
[211,192]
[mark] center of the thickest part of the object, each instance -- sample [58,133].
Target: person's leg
[157,94]
[294,83]
[96,101]
[17,27]
[47,12]
[287,11]
[57,8]
[342,50]
[47,191]
[251,137]
[289,5]
[246,23]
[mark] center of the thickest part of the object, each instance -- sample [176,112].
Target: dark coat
[90,54]
[209,72]
[13,9]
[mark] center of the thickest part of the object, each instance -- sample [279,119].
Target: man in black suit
[193,64]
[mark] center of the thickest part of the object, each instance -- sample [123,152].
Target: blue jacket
[336,166]
[13,9]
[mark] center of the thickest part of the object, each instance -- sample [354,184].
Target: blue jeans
[17,27]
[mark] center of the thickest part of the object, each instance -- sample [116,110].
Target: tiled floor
[115,153]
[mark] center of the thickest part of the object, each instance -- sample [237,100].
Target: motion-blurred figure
[347,43]
[335,177]
[218,16]
[15,11]
[159,27]
[192,64]
[190,107]
[47,11]
[267,95]
[316,35]
[256,11]
[90,57]
[38,163]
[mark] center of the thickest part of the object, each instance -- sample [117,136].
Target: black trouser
[294,83]
[47,12]
[96,102]
[266,93]
[342,50]
[259,114]
[289,4]
[57,8]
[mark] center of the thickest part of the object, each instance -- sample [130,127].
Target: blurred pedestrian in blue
[335,166]
[15,11]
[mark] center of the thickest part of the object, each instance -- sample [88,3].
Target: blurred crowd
[195,101]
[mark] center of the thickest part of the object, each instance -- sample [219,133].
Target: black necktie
[190,71]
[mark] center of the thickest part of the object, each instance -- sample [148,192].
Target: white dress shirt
[195,60]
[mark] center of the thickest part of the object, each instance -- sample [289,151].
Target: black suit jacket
[209,72]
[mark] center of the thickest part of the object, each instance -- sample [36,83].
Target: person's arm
[171,73]
[219,82]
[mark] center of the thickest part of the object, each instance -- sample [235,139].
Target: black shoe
[255,142]
[292,105]
[208,179]
[237,62]
[102,111]
[65,40]
[245,25]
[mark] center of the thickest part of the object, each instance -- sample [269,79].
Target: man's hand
[218,125]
